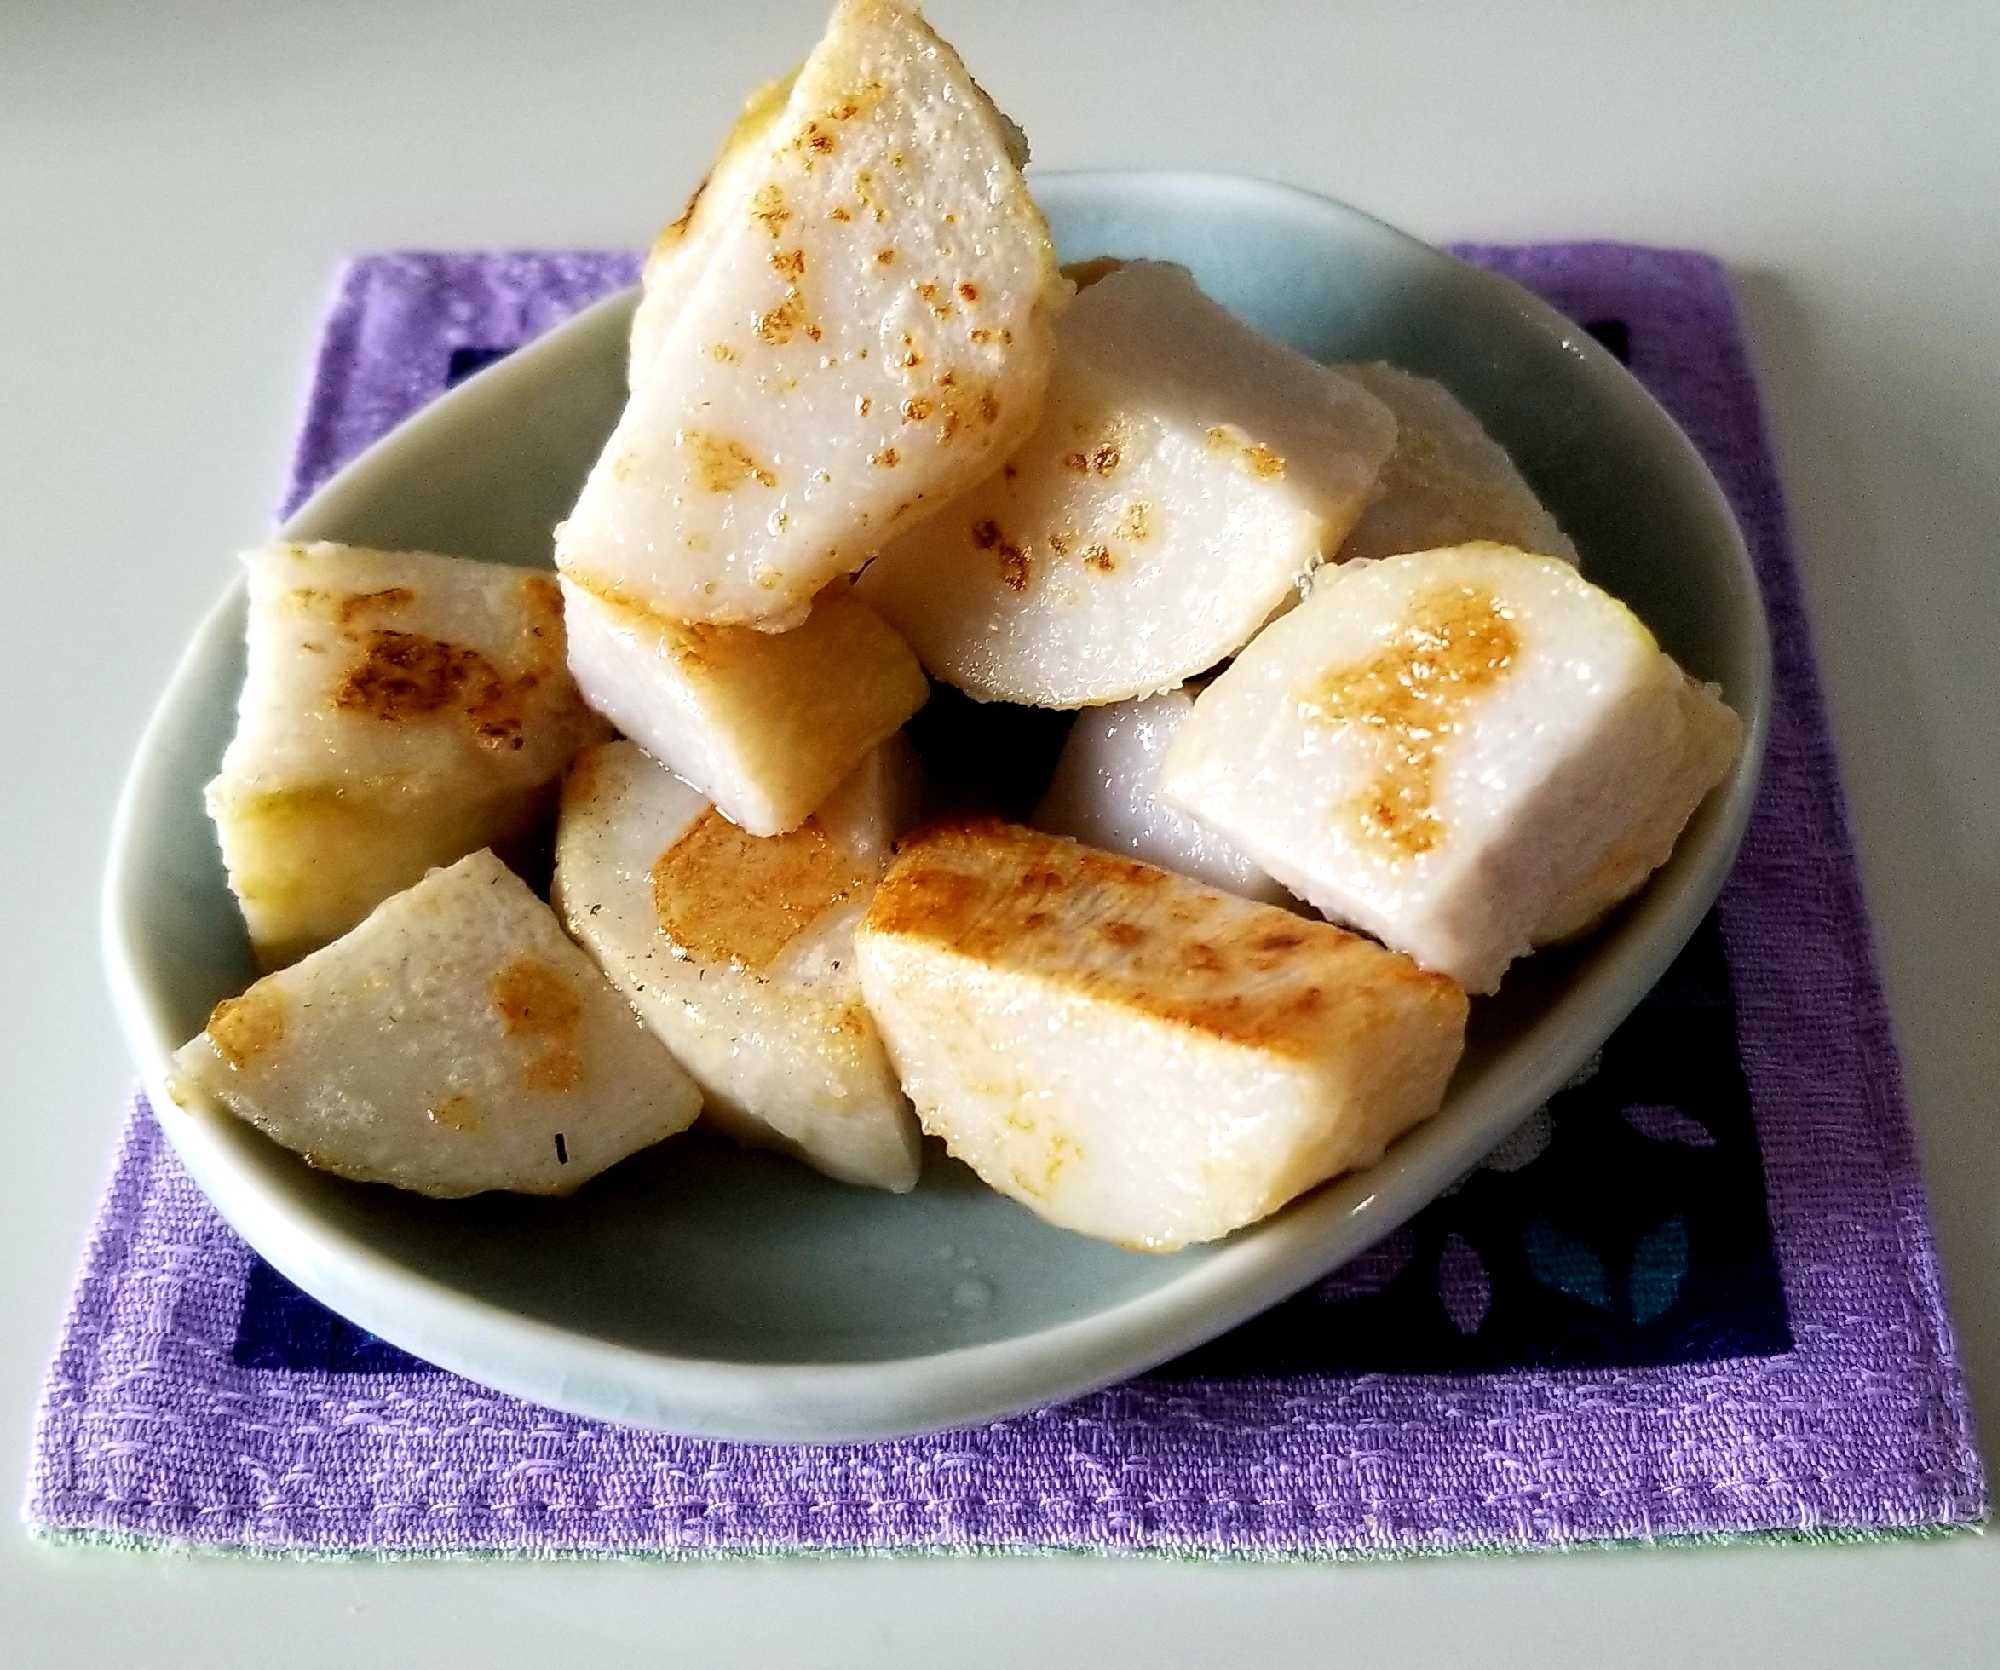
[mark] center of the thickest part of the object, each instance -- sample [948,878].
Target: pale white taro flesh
[1130,1054]
[1711,737]
[1458,751]
[454,1042]
[764,724]
[400,710]
[1187,474]
[1103,794]
[738,950]
[1448,482]
[682,250]
[869,333]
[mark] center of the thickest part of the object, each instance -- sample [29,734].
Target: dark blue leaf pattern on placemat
[1565,1263]
[1658,1264]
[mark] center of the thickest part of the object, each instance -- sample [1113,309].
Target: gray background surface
[177,184]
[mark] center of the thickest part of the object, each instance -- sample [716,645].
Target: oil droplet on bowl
[972,1294]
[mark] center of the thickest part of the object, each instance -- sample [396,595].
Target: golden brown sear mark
[679,228]
[723,464]
[727,896]
[1256,457]
[390,598]
[538,1003]
[1014,562]
[242,1028]
[402,676]
[767,207]
[776,326]
[813,142]
[850,105]
[1409,699]
[959,407]
[1101,459]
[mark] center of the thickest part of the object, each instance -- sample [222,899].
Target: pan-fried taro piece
[1464,752]
[454,1042]
[1187,474]
[400,710]
[854,327]
[765,724]
[1131,1054]
[739,950]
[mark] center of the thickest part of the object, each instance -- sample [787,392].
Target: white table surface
[177,183]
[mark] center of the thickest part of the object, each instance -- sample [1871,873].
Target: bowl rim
[900,1396]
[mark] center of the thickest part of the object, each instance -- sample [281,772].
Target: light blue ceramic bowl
[710,1291]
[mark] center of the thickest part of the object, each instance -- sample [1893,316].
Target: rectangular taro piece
[1131,1054]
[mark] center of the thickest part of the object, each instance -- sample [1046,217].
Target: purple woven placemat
[1833,1406]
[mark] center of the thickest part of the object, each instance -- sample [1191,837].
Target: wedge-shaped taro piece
[682,250]
[1131,1054]
[868,333]
[1187,474]
[738,950]
[1448,482]
[765,724]
[1103,794]
[400,710]
[455,1042]
[1463,752]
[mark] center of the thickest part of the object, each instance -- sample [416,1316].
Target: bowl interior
[699,1287]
